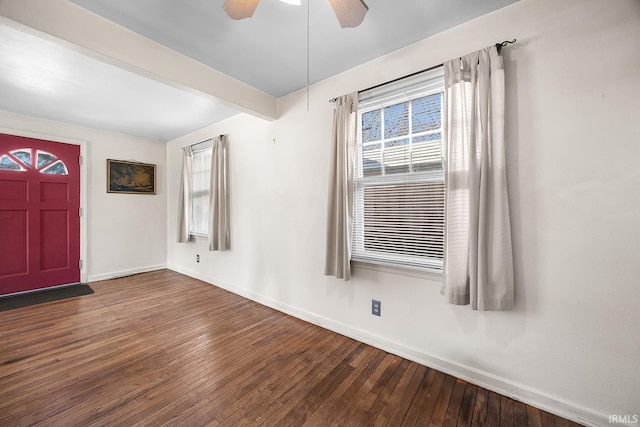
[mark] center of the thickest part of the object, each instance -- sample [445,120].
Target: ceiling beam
[116,45]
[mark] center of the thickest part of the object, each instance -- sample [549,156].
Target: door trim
[83,185]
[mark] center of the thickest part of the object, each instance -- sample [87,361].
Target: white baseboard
[123,273]
[519,392]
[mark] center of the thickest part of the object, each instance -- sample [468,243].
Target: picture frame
[130,177]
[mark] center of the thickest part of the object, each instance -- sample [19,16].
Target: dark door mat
[24,300]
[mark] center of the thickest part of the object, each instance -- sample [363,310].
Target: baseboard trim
[519,392]
[123,273]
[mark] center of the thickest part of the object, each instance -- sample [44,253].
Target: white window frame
[416,86]
[199,149]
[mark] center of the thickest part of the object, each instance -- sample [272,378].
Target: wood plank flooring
[161,348]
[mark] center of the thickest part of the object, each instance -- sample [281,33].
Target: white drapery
[478,263]
[219,227]
[184,196]
[340,202]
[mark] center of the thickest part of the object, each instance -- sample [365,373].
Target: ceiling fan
[350,13]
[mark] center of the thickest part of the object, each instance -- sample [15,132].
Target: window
[399,175]
[201,171]
[21,160]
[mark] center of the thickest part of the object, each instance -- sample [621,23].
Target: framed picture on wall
[130,177]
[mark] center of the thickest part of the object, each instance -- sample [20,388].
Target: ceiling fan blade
[240,9]
[350,13]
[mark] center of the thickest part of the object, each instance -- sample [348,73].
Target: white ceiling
[42,77]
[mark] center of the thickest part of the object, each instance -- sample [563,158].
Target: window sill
[199,235]
[427,274]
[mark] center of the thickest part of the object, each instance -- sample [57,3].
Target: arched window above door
[23,159]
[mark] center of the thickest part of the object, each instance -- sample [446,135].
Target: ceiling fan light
[293,2]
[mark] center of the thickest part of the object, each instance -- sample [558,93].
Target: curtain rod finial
[505,43]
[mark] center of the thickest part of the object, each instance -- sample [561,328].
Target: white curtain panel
[478,263]
[219,228]
[184,196]
[340,203]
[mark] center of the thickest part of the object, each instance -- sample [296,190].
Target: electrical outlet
[198,258]
[376,308]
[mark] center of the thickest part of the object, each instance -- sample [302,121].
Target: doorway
[39,214]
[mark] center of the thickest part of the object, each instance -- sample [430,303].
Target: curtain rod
[499,46]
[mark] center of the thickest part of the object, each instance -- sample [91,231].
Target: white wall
[571,344]
[125,233]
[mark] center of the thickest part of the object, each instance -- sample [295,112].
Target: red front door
[39,214]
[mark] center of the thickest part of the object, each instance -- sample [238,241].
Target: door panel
[39,214]
[54,236]
[13,228]
[54,192]
[13,191]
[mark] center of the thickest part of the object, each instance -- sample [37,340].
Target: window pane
[44,159]
[427,113]
[201,171]
[58,168]
[405,219]
[396,156]
[427,152]
[24,155]
[396,120]
[372,159]
[7,164]
[200,213]
[371,126]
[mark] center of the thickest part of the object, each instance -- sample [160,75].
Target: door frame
[83,185]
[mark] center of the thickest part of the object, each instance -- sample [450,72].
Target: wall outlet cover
[376,307]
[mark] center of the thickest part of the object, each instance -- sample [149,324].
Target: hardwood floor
[161,348]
